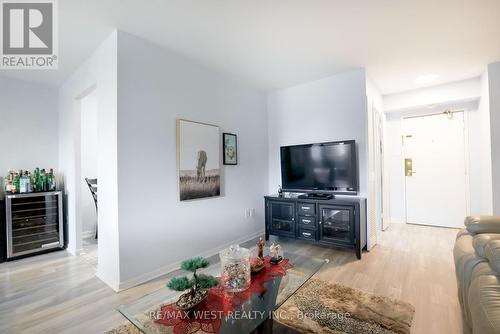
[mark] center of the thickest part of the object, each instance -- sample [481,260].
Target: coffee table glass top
[247,317]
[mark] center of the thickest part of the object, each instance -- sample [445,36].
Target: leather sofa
[477,265]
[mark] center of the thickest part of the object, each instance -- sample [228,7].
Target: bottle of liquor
[52,180]
[43,180]
[30,181]
[49,181]
[36,180]
[23,184]
[7,183]
[16,183]
[27,181]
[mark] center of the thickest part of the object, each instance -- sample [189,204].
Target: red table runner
[208,316]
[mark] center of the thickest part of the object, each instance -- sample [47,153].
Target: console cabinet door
[281,218]
[336,225]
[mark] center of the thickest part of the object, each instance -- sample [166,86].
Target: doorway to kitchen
[87,183]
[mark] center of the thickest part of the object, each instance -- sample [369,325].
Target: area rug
[330,308]
[321,307]
[124,329]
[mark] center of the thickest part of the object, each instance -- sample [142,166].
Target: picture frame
[198,160]
[230,148]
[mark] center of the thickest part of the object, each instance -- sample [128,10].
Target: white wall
[28,126]
[460,91]
[494,102]
[89,148]
[480,172]
[454,96]
[374,208]
[374,96]
[325,110]
[155,88]
[394,162]
[98,72]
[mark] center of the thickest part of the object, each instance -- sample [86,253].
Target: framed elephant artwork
[198,160]
[230,148]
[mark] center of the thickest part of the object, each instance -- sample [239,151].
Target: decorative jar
[235,261]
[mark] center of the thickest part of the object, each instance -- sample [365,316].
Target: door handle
[306,234]
[409,167]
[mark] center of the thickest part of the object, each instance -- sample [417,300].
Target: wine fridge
[34,223]
[336,224]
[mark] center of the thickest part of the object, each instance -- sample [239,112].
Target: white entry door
[435,169]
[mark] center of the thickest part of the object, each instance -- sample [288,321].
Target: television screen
[324,166]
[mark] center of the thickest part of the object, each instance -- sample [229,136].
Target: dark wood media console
[339,222]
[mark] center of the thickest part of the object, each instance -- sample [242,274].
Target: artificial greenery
[180,283]
[206,281]
[200,281]
[194,264]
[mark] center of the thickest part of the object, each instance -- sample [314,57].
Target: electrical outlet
[252,212]
[247,213]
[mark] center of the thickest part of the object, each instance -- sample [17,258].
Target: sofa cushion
[465,261]
[492,252]
[480,241]
[482,269]
[482,224]
[484,302]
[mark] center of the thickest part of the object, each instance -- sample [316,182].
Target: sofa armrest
[482,224]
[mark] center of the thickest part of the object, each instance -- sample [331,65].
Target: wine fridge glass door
[336,223]
[34,223]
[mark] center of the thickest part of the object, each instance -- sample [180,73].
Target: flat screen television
[322,167]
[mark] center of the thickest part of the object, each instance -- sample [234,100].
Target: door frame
[77,156]
[466,156]
[380,172]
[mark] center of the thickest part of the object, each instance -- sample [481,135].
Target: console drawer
[306,234]
[308,209]
[308,221]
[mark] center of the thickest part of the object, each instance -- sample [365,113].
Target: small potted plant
[198,285]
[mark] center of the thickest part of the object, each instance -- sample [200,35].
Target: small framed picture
[230,145]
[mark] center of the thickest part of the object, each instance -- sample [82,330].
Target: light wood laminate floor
[58,293]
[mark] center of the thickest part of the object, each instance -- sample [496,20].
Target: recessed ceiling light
[425,79]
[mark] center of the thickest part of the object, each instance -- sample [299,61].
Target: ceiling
[274,44]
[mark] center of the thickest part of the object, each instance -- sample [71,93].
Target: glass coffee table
[254,313]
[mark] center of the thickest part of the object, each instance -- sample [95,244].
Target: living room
[398,127]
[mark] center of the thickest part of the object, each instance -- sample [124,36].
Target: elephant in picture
[200,167]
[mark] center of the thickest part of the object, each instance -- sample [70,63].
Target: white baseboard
[111,283]
[174,266]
